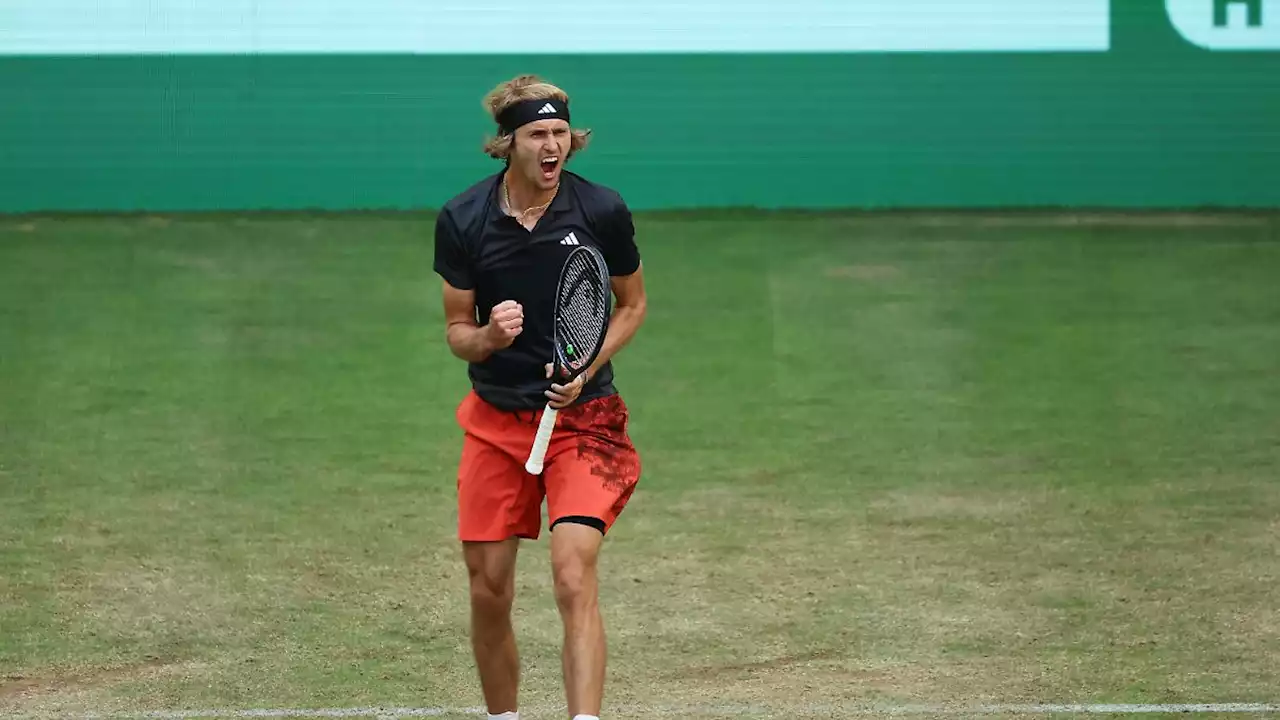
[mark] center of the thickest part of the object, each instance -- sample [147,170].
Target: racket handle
[540,441]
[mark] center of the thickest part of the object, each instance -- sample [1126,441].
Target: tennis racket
[581,321]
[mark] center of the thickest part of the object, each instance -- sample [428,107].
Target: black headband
[527,111]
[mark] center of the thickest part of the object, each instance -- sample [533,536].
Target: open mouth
[549,166]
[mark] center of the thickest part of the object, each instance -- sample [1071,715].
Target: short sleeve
[451,261]
[618,238]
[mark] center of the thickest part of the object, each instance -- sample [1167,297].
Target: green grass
[903,459]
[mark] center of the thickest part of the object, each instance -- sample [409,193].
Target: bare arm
[470,341]
[628,315]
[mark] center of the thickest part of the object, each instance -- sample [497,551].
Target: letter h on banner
[1220,8]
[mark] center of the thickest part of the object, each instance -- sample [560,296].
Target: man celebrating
[499,245]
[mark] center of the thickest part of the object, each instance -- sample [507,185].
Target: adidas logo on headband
[527,111]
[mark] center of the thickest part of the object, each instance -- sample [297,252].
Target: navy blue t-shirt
[479,247]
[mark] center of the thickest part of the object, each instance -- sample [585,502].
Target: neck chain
[520,214]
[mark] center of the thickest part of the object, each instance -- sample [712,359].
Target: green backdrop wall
[1154,121]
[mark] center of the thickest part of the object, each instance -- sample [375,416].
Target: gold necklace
[506,199]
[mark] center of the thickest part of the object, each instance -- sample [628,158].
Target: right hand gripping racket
[581,322]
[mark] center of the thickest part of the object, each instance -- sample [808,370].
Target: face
[540,150]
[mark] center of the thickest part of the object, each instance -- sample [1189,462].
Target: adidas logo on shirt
[548,108]
[570,239]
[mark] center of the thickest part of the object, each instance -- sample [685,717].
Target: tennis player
[500,245]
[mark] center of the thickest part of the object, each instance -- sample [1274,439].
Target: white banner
[551,26]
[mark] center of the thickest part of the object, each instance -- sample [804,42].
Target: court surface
[1020,462]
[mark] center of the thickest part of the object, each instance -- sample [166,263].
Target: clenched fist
[506,321]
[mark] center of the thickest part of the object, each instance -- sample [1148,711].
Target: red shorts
[590,472]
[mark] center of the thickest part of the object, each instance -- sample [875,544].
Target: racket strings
[583,304]
[581,317]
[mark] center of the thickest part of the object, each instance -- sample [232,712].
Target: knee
[575,585]
[491,593]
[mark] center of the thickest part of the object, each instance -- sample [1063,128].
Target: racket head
[582,306]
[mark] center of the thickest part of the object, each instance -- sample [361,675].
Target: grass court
[891,459]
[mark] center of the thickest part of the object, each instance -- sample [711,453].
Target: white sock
[585,717]
[509,715]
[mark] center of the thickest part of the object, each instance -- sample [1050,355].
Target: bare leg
[574,552]
[492,570]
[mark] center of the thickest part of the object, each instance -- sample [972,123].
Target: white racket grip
[540,441]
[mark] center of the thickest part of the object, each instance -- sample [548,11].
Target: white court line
[386,713]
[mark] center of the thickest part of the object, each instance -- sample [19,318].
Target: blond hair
[519,89]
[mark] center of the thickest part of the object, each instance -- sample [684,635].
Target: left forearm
[624,323]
